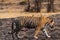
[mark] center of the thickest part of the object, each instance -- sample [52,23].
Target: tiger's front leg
[46,33]
[38,29]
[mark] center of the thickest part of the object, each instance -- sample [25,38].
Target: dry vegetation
[13,6]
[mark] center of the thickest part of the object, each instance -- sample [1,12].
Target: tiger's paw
[35,37]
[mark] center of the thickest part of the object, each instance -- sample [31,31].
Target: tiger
[41,25]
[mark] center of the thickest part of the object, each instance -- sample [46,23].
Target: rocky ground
[5,27]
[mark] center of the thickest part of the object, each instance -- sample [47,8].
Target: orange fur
[41,25]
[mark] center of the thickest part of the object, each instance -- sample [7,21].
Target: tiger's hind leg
[12,31]
[16,34]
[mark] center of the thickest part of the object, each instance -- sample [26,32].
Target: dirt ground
[5,27]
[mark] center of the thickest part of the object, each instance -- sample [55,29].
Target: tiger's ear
[51,20]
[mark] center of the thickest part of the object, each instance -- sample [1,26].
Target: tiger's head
[50,22]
